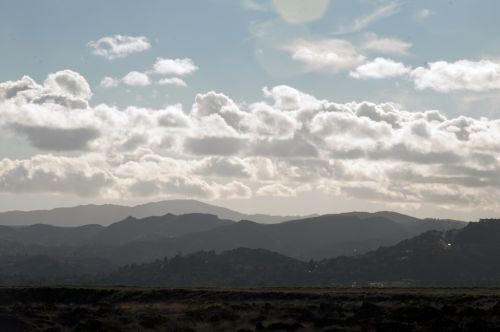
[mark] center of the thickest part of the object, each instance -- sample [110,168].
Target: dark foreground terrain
[134,309]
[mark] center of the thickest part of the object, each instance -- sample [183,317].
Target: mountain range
[134,240]
[464,257]
[107,214]
[200,249]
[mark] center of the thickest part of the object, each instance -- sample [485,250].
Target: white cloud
[266,121]
[135,78]
[276,190]
[288,99]
[288,142]
[362,22]
[178,67]
[172,81]
[461,75]
[119,46]
[325,55]
[109,82]
[68,83]
[383,45]
[224,167]
[57,139]
[42,174]
[234,190]
[162,66]
[380,68]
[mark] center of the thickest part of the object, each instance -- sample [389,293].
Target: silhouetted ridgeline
[465,257]
[458,257]
[143,240]
[109,213]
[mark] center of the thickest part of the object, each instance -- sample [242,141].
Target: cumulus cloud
[49,174]
[178,67]
[380,68]
[162,66]
[174,117]
[265,121]
[186,186]
[68,83]
[294,147]
[109,82]
[214,145]
[445,76]
[64,88]
[331,55]
[384,45]
[276,190]
[172,81]
[57,139]
[224,167]
[119,46]
[287,143]
[135,78]
[234,189]
[440,76]
[24,87]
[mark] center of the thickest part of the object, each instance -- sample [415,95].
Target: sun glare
[300,11]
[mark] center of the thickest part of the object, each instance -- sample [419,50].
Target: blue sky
[41,37]
[252,110]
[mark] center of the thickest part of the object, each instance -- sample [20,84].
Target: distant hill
[464,257]
[128,230]
[469,256]
[311,238]
[153,228]
[66,253]
[41,234]
[394,216]
[134,240]
[238,267]
[108,214]
[167,234]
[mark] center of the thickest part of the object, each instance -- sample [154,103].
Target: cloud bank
[286,144]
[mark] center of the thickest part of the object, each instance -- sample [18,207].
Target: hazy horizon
[232,208]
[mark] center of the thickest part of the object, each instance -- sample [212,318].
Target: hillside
[311,238]
[239,267]
[465,257]
[468,256]
[134,240]
[461,257]
[108,214]
[125,231]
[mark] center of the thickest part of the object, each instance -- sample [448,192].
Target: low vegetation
[133,309]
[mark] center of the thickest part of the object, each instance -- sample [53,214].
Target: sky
[265,106]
